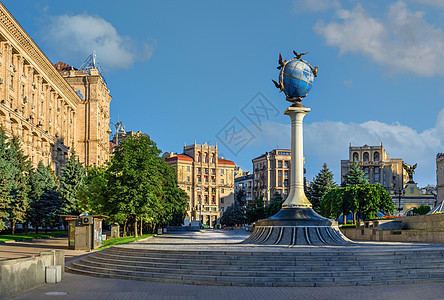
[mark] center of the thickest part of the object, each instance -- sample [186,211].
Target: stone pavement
[85,287]
[11,250]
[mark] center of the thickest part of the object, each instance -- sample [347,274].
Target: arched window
[355,157]
[366,157]
[205,158]
[198,157]
[213,160]
[376,156]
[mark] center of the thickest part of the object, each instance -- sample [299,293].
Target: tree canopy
[321,185]
[354,176]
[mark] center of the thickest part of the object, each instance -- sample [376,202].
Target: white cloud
[329,141]
[403,40]
[301,6]
[75,37]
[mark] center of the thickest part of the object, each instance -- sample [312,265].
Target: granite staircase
[253,268]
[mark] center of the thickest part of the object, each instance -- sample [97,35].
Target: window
[279,164]
[279,173]
[188,179]
[366,170]
[198,157]
[205,157]
[222,191]
[377,177]
[376,156]
[366,157]
[377,170]
[279,183]
[221,171]
[205,178]
[188,168]
[286,174]
[222,181]
[286,183]
[199,178]
[188,189]
[221,200]
[286,164]
[355,157]
[411,190]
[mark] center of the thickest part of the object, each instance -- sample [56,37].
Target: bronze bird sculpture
[298,56]
[315,71]
[280,62]
[277,85]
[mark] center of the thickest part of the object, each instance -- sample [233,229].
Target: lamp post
[399,193]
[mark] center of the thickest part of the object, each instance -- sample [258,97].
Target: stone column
[296,197]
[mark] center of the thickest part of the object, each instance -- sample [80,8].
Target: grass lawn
[26,236]
[122,240]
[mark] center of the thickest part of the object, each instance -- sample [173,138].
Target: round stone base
[297,226]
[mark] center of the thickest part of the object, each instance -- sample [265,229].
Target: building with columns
[377,166]
[42,106]
[271,173]
[440,177]
[207,179]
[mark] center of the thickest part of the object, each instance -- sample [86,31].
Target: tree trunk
[13,227]
[354,218]
[135,227]
[344,219]
[141,226]
[124,227]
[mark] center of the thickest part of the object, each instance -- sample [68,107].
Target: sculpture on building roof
[410,170]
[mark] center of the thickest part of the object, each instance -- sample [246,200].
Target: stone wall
[425,228]
[19,275]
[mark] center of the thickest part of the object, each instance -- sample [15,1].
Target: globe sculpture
[296,223]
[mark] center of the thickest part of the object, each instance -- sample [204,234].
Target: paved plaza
[85,287]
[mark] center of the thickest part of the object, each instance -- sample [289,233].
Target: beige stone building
[272,174]
[440,177]
[39,104]
[206,178]
[377,166]
[92,123]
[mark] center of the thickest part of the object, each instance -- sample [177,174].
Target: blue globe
[296,78]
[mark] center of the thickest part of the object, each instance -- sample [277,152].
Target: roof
[182,157]
[242,178]
[225,162]
[61,66]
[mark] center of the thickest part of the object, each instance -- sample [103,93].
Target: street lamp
[400,192]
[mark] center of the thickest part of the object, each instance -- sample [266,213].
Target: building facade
[207,179]
[272,174]
[92,123]
[377,166]
[245,183]
[440,177]
[40,106]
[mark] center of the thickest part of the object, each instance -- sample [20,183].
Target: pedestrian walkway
[11,250]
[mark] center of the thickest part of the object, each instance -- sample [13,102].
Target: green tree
[233,215]
[19,207]
[321,185]
[274,206]
[42,192]
[354,176]
[140,185]
[71,180]
[7,174]
[255,210]
[364,199]
[92,195]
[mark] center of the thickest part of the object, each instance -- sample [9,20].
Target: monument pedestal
[297,223]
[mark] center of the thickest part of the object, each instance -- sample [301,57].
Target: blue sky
[201,70]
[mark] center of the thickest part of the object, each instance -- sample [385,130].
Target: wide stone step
[271,267]
[276,260]
[220,273]
[308,280]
